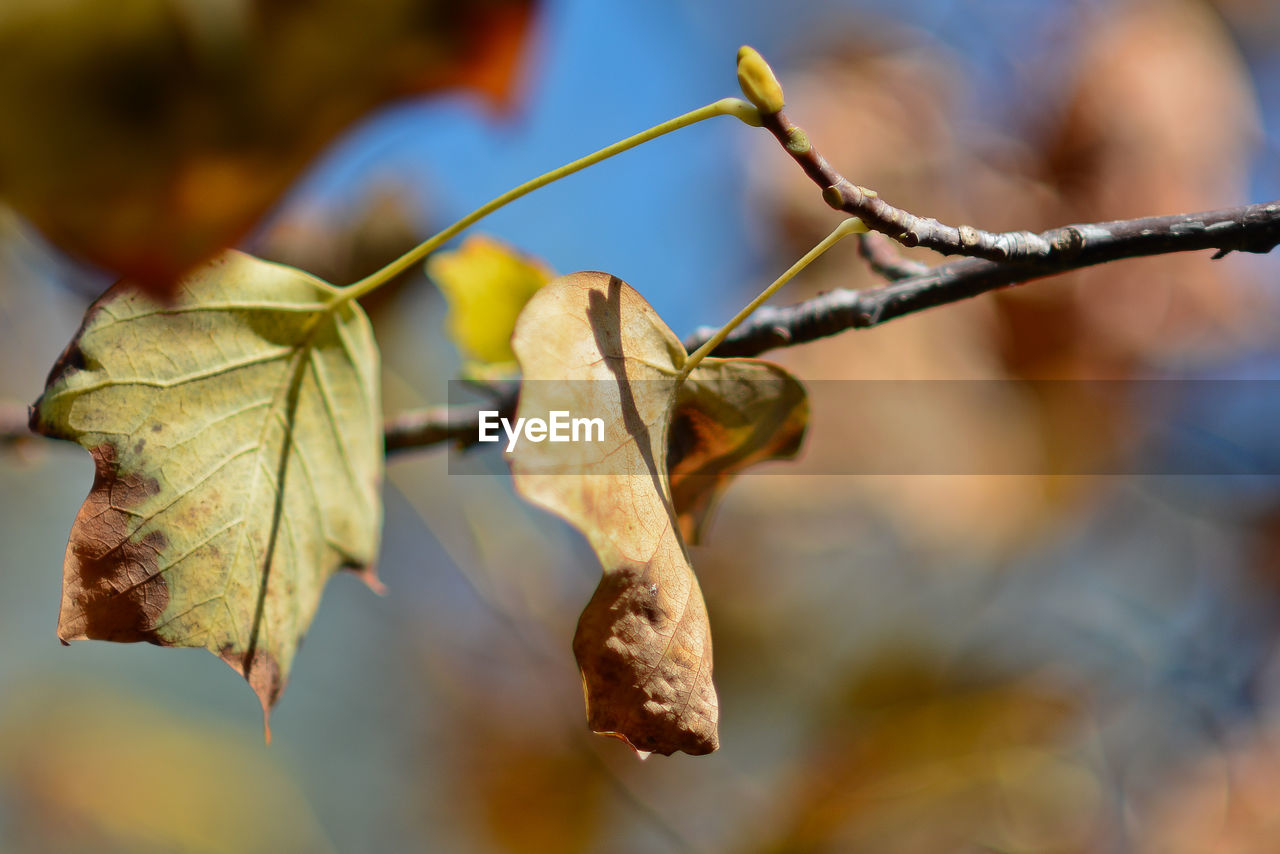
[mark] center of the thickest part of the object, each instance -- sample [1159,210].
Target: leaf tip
[369,575]
[261,670]
[642,755]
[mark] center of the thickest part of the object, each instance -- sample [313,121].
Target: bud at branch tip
[758,82]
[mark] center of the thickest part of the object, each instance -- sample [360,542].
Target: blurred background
[1040,662]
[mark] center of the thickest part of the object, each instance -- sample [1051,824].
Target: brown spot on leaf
[645,660]
[69,361]
[72,357]
[112,588]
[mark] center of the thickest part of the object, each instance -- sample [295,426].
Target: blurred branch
[421,427]
[457,424]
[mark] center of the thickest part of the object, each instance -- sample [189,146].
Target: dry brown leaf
[730,414]
[591,346]
[148,135]
[587,343]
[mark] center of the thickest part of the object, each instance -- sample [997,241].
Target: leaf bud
[758,81]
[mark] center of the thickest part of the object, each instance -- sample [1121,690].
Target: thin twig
[906,228]
[882,257]
[1011,246]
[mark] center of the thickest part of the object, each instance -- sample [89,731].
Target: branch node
[833,197]
[797,141]
[1069,241]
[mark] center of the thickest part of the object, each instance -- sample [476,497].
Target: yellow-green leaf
[486,283]
[591,347]
[236,434]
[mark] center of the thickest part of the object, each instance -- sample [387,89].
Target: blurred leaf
[528,795]
[486,283]
[236,434]
[1157,88]
[1221,801]
[95,772]
[589,345]
[348,242]
[145,135]
[917,760]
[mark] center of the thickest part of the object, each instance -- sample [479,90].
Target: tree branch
[1251,228]
[911,230]
[882,257]
[907,228]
